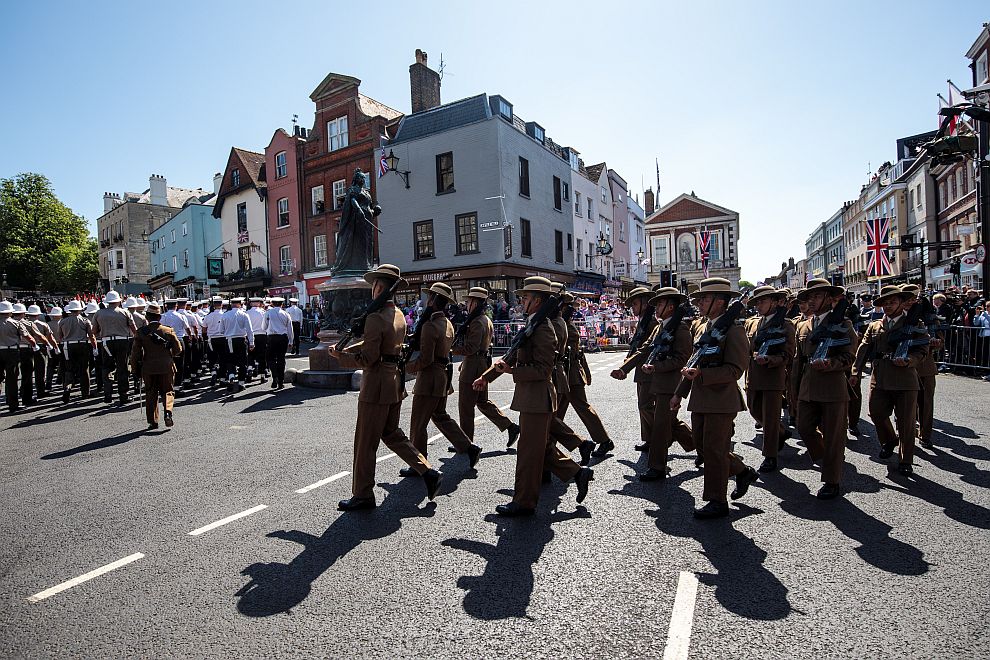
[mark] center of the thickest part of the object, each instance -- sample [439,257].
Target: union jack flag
[704,247]
[877,244]
[382,164]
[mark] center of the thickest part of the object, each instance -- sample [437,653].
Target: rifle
[660,348]
[532,323]
[463,327]
[910,333]
[830,332]
[357,326]
[643,330]
[772,333]
[708,348]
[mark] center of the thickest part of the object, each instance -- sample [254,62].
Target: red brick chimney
[648,201]
[424,84]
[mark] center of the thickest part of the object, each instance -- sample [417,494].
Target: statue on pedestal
[356,237]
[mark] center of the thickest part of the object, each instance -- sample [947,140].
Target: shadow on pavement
[505,587]
[743,585]
[277,588]
[876,545]
[950,501]
[102,444]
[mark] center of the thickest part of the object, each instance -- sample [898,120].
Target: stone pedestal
[343,299]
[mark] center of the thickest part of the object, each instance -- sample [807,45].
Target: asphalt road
[896,568]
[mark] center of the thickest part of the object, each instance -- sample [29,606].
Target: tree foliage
[43,244]
[746,284]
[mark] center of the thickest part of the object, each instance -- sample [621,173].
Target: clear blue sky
[773,109]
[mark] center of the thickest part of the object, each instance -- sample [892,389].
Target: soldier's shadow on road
[743,585]
[276,588]
[876,547]
[506,586]
[102,444]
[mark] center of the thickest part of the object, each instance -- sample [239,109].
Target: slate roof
[254,163]
[443,118]
[174,197]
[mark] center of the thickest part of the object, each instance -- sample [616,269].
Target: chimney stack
[110,200]
[217,180]
[156,182]
[648,201]
[424,84]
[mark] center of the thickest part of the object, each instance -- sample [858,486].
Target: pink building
[285,218]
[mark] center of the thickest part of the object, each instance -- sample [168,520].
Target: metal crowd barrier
[964,348]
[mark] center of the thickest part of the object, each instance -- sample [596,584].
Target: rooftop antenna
[441,68]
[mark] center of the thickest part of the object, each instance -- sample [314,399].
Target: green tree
[746,284]
[44,244]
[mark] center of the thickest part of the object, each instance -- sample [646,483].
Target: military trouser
[277,346]
[296,331]
[10,359]
[578,397]
[926,406]
[119,352]
[237,357]
[468,400]
[77,367]
[765,407]
[537,450]
[259,356]
[40,367]
[379,422]
[27,374]
[822,428]
[646,402]
[855,402]
[157,387]
[667,429]
[218,355]
[903,403]
[713,437]
[426,409]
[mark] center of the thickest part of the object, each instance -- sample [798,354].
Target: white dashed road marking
[224,521]
[322,482]
[681,618]
[42,595]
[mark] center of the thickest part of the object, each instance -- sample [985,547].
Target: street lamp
[392,162]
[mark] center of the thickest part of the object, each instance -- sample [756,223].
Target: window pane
[445,172]
[423,234]
[467,233]
[524,234]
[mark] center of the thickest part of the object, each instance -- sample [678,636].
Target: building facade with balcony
[886,197]
[241,210]
[673,235]
[177,251]
[283,169]
[123,229]
[956,220]
[485,203]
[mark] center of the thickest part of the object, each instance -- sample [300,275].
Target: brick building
[348,127]
[283,169]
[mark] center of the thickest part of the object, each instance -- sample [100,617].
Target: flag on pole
[955,98]
[877,244]
[704,248]
[942,103]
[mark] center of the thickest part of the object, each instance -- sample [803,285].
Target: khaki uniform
[380,398]
[432,388]
[579,376]
[535,399]
[11,334]
[156,362]
[113,330]
[927,370]
[766,383]
[715,402]
[666,427]
[559,372]
[823,397]
[475,349]
[893,389]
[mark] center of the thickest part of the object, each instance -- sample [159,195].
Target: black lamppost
[392,162]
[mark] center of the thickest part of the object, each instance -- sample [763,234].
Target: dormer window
[504,109]
[535,131]
[235,178]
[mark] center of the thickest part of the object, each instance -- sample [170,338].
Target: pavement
[220,538]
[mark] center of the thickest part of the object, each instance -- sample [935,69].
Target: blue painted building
[178,252]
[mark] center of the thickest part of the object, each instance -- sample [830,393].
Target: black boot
[513,435]
[743,481]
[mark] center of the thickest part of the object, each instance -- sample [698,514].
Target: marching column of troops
[131,345]
[798,351]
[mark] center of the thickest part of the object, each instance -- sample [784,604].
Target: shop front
[588,283]
[500,280]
